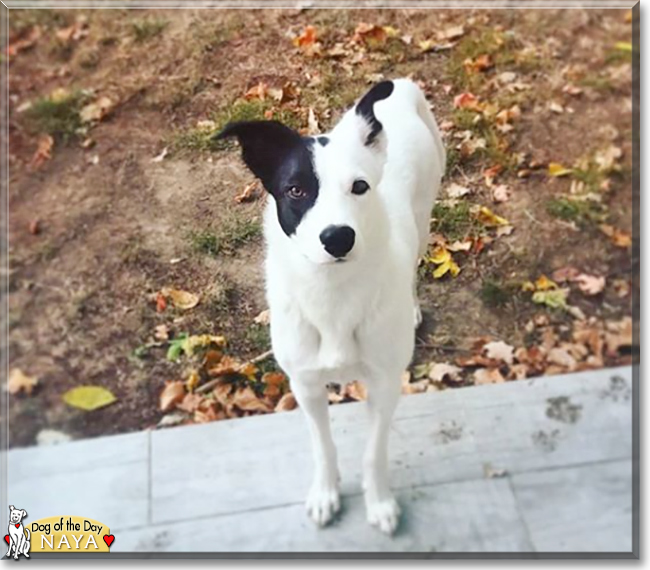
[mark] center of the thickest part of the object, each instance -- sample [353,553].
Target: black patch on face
[324,141]
[365,108]
[282,160]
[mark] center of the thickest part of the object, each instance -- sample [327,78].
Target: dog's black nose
[338,240]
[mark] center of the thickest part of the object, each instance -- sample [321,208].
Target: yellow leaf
[19,381]
[543,283]
[183,300]
[192,380]
[527,286]
[556,298]
[89,398]
[440,255]
[623,46]
[488,218]
[191,343]
[449,266]
[556,169]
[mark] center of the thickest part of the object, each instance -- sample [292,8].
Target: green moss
[495,293]
[582,212]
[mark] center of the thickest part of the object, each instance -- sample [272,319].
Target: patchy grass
[202,138]
[258,338]
[147,28]
[454,221]
[57,116]
[582,212]
[496,293]
[232,236]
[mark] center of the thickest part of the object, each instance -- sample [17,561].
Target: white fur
[339,322]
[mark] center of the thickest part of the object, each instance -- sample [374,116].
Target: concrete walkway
[542,465]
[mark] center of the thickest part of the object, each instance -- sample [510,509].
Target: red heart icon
[108,539]
[7,538]
[17,525]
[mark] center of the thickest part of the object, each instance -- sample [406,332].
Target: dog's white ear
[24,512]
[265,145]
[364,109]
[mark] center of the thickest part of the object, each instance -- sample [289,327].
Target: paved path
[562,445]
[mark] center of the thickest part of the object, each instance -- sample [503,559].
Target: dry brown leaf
[561,357]
[248,194]
[618,237]
[35,227]
[369,34]
[456,190]
[43,151]
[96,111]
[564,274]
[619,335]
[223,392]
[501,193]
[18,382]
[451,33]
[264,318]
[286,403]
[499,350]
[246,400]
[355,390]
[172,394]
[183,300]
[488,376]
[161,332]
[467,101]
[590,284]
[258,91]
[25,42]
[443,370]
[225,366]
[190,403]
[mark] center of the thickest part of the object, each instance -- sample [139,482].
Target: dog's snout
[337,240]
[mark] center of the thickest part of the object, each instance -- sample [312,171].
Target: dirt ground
[100,226]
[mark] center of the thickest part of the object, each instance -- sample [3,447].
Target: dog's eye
[360,187]
[296,193]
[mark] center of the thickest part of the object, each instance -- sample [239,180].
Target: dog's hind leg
[323,501]
[381,507]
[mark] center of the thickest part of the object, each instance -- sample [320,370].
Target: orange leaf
[172,394]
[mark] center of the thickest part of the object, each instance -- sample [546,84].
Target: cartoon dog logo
[16,537]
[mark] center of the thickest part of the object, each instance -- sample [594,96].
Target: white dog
[348,220]
[17,539]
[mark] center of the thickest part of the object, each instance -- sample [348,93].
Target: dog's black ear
[365,108]
[11,507]
[265,145]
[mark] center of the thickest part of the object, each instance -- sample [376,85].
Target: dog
[17,539]
[345,226]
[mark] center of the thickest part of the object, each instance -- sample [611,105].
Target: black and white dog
[347,222]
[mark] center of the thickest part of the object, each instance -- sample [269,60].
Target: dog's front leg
[381,507]
[323,501]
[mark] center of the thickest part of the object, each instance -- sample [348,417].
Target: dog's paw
[323,502]
[383,514]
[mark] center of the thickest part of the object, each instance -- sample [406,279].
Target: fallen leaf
[623,46]
[286,403]
[43,151]
[222,393]
[499,350]
[264,318]
[555,107]
[161,303]
[313,127]
[501,193]
[25,42]
[557,170]
[96,111]
[18,382]
[467,101]
[183,300]
[565,274]
[618,237]
[160,157]
[190,403]
[572,90]
[607,158]
[460,245]
[619,335]
[35,227]
[488,376]
[247,401]
[451,33]
[543,283]
[590,284]
[355,390]
[248,194]
[555,299]
[307,38]
[622,287]
[480,63]
[170,420]
[227,365]
[456,191]
[172,394]
[488,218]
[274,383]
[89,398]
[161,332]
[443,259]
[562,358]
[192,381]
[442,370]
[370,34]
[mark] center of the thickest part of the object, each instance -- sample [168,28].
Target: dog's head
[324,187]
[16,515]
